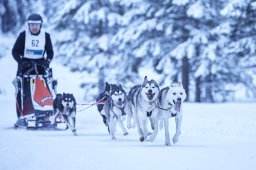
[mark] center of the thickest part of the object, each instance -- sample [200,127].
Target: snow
[196,10]
[214,136]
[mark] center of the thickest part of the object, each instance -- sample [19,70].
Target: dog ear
[155,83]
[145,80]
[107,87]
[73,97]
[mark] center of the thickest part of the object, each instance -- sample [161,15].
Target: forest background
[208,45]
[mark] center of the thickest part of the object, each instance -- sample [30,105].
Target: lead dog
[115,107]
[144,99]
[65,104]
[171,102]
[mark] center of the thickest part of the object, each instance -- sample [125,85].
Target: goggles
[34,22]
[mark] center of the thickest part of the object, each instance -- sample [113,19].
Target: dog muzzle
[120,104]
[150,96]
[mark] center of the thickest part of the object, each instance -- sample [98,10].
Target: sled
[35,90]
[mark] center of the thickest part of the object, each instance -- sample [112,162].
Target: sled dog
[101,100]
[144,99]
[171,101]
[65,104]
[115,107]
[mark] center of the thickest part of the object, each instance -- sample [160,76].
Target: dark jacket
[18,48]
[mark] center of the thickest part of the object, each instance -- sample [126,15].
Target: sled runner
[35,89]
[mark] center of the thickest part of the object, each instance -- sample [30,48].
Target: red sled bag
[42,96]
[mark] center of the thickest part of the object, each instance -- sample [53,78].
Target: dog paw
[74,132]
[152,138]
[149,133]
[175,140]
[113,138]
[142,139]
[167,144]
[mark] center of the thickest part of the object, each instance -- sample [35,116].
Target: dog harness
[168,109]
[34,45]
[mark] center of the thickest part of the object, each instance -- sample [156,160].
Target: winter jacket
[18,48]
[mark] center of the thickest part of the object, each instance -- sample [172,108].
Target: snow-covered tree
[208,45]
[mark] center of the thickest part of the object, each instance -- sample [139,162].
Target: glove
[45,63]
[24,64]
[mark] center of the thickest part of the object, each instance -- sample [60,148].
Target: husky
[171,101]
[65,104]
[144,99]
[101,100]
[115,107]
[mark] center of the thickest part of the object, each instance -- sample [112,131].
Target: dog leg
[129,122]
[66,119]
[112,128]
[128,111]
[133,125]
[143,123]
[167,135]
[74,125]
[119,120]
[136,120]
[154,134]
[178,131]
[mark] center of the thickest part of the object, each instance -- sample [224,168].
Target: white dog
[171,101]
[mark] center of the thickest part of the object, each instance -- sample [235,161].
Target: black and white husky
[101,100]
[65,104]
[144,100]
[171,102]
[115,107]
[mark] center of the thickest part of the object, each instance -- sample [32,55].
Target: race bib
[34,45]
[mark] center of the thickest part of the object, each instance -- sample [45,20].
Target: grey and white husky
[171,102]
[144,100]
[115,107]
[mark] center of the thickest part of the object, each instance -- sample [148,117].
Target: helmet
[35,18]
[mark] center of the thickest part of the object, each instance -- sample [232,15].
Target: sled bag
[42,95]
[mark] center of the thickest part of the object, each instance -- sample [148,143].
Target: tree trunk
[198,89]
[185,75]
[101,81]
[208,89]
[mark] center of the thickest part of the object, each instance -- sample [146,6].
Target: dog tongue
[150,96]
[177,106]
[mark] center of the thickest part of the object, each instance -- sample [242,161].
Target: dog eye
[174,93]
[181,93]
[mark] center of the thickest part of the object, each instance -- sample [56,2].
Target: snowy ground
[214,137]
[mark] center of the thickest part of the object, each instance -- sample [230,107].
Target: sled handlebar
[32,66]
